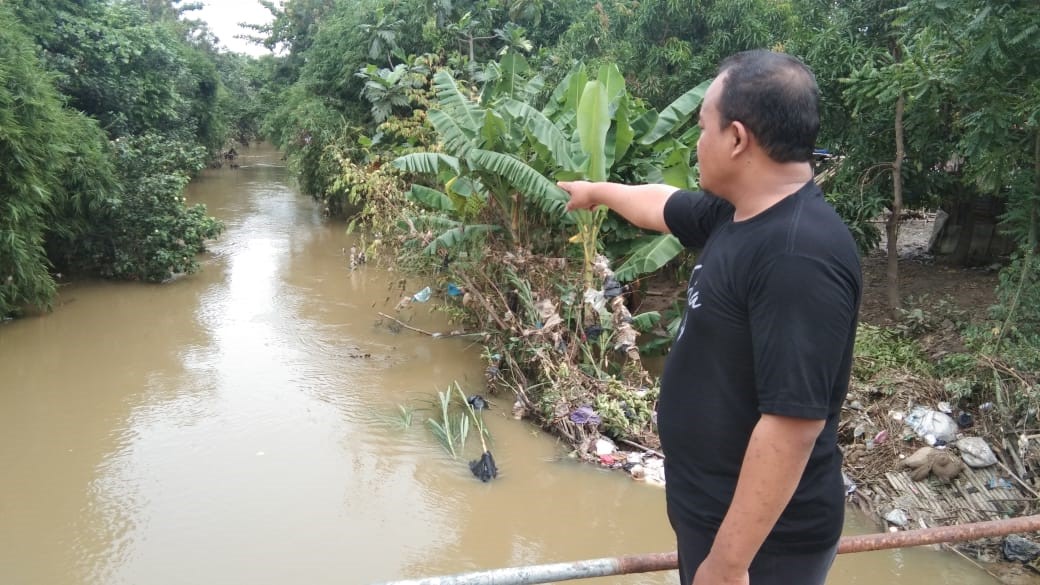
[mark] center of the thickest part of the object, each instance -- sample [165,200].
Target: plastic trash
[596,299]
[850,486]
[611,288]
[897,517]
[477,402]
[484,468]
[999,482]
[585,415]
[975,452]
[965,420]
[653,472]
[423,295]
[1017,548]
[454,290]
[604,447]
[592,332]
[932,425]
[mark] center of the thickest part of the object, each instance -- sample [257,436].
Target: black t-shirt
[769,329]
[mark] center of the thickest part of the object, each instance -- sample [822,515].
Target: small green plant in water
[452,429]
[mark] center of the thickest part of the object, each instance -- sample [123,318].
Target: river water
[242,426]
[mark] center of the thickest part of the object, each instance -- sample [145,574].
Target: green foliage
[74,200]
[627,412]
[451,428]
[152,234]
[454,417]
[881,351]
[33,140]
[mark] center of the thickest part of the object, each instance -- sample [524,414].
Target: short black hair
[776,98]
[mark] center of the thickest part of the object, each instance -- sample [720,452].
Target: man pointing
[754,383]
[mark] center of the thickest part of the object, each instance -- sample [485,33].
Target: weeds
[879,350]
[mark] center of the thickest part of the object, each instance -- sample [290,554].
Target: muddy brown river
[239,426]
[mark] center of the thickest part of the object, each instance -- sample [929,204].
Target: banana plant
[475,160]
[593,130]
[502,149]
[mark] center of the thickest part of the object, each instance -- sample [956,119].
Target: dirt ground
[923,281]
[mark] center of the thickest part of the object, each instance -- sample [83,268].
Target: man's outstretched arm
[642,205]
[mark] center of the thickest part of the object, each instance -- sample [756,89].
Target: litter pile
[916,466]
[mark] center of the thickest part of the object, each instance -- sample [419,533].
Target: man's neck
[763,186]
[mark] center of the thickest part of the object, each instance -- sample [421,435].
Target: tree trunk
[892,228]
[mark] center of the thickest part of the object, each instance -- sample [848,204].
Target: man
[753,386]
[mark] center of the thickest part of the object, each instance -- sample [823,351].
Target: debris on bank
[911,466]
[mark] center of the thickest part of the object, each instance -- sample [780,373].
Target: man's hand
[581,194]
[712,572]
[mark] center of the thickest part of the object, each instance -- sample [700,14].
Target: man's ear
[741,139]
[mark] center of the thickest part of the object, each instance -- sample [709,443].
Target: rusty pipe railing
[646,563]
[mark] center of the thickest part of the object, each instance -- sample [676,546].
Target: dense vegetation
[441,126]
[106,110]
[473,108]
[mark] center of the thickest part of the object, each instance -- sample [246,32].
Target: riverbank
[570,358]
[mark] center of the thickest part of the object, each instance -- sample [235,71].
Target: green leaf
[677,113]
[465,111]
[514,68]
[622,131]
[593,125]
[544,131]
[494,131]
[549,197]
[456,140]
[457,236]
[644,322]
[426,163]
[677,166]
[649,257]
[431,198]
[611,78]
[577,85]
[642,125]
[559,94]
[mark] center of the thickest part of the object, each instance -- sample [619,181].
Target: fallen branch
[638,446]
[425,332]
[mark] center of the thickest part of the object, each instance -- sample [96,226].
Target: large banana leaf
[559,94]
[456,236]
[677,113]
[644,124]
[549,197]
[544,131]
[677,166]
[621,133]
[497,133]
[533,88]
[611,78]
[426,163]
[593,125]
[456,140]
[430,198]
[514,69]
[649,257]
[572,97]
[450,98]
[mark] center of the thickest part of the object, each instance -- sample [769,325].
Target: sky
[223,17]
